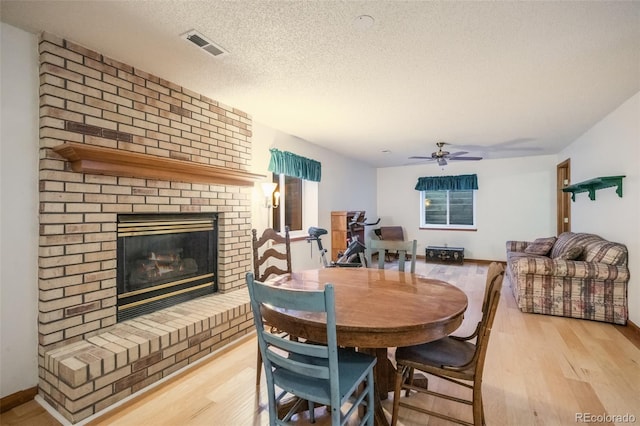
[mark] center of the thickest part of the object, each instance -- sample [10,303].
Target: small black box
[445,254]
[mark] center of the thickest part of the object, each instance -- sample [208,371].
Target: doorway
[563,179]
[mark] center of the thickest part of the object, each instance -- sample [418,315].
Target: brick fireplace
[115,140]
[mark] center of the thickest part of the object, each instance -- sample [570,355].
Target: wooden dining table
[376,309]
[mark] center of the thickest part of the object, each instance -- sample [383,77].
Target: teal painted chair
[404,248]
[318,373]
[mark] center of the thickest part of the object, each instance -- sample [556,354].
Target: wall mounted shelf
[114,162]
[592,185]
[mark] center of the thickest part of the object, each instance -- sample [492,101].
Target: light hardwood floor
[540,370]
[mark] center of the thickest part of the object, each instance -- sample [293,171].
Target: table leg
[384,373]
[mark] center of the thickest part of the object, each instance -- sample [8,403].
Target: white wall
[611,148]
[515,201]
[18,211]
[346,185]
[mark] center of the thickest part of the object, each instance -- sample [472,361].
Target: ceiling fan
[441,157]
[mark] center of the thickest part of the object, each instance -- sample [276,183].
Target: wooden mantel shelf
[115,162]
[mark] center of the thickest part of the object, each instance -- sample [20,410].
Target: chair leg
[409,380]
[312,411]
[371,399]
[478,410]
[401,372]
[259,368]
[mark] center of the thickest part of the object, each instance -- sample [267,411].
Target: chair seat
[447,351]
[352,370]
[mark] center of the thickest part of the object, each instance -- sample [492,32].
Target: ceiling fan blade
[420,158]
[455,154]
[503,146]
[466,158]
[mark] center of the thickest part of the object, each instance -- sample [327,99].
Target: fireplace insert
[164,259]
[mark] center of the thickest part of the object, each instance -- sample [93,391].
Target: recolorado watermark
[605,418]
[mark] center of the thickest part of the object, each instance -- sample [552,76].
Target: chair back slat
[298,300]
[302,368]
[272,270]
[270,234]
[289,345]
[271,252]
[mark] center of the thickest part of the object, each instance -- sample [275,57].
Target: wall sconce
[276,199]
[270,193]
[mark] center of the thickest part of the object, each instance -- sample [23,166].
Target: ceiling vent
[204,43]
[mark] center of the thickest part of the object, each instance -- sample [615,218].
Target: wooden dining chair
[316,373]
[271,253]
[404,248]
[452,358]
[271,256]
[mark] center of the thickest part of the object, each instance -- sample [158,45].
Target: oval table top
[375,308]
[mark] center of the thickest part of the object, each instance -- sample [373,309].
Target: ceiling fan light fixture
[442,157]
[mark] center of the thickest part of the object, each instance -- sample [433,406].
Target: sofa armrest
[570,268]
[517,246]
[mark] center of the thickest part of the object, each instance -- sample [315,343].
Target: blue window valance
[450,183]
[287,163]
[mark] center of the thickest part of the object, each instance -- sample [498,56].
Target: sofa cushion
[514,255]
[572,253]
[566,240]
[541,246]
[606,252]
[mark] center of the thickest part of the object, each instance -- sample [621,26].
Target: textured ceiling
[497,79]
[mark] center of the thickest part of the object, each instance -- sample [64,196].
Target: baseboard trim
[484,261]
[631,332]
[466,260]
[10,402]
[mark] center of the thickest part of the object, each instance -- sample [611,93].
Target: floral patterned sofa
[576,275]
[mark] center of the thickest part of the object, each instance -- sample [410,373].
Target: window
[298,208]
[297,178]
[447,209]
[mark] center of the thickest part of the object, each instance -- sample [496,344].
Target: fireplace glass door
[164,260]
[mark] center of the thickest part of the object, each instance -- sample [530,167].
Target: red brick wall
[88,98]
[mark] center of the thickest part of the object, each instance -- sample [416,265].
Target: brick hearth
[87,360]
